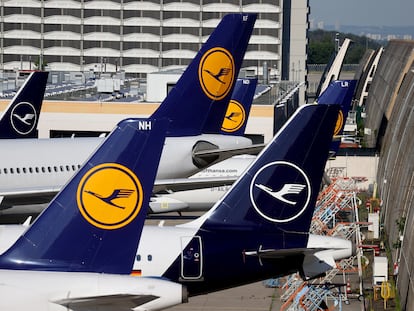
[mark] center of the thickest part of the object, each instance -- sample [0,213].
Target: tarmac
[253,297]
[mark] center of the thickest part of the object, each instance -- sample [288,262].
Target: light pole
[336,43]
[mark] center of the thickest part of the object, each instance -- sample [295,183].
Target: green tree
[320,52]
[39,66]
[322,46]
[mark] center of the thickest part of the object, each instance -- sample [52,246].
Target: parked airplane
[104,207]
[21,116]
[248,235]
[32,171]
[339,92]
[237,112]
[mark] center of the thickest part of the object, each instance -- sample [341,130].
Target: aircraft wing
[181,184]
[222,154]
[26,196]
[121,302]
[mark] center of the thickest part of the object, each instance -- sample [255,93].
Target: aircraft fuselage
[206,261]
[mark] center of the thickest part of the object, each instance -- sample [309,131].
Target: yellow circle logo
[216,73]
[339,123]
[109,196]
[235,117]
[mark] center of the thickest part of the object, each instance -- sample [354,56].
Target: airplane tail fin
[207,83]
[339,92]
[277,193]
[21,116]
[95,222]
[237,113]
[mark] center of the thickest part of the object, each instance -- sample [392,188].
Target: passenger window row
[138,257]
[37,169]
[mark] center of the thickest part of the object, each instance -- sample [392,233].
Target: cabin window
[43,169]
[138,257]
[149,257]
[30,170]
[11,170]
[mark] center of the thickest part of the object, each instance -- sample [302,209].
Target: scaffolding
[334,201]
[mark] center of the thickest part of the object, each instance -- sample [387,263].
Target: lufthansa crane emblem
[280,191]
[216,73]
[234,118]
[109,196]
[23,118]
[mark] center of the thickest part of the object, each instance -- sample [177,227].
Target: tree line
[322,46]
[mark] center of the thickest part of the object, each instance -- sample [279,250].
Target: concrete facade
[138,37]
[392,67]
[390,116]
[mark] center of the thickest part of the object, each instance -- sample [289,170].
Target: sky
[363,12]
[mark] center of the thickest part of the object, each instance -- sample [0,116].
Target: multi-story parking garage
[144,36]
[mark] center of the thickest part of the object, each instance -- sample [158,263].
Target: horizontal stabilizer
[280,253]
[316,260]
[315,265]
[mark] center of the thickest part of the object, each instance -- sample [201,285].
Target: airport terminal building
[142,36]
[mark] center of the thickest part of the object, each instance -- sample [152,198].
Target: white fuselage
[204,198]
[36,165]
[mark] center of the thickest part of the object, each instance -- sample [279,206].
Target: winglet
[21,116]
[237,111]
[296,156]
[207,83]
[82,232]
